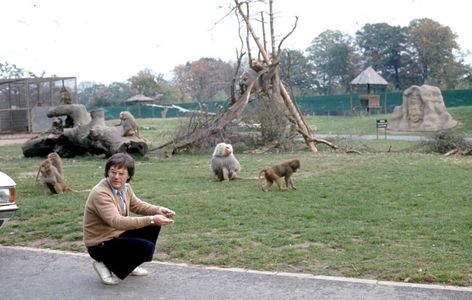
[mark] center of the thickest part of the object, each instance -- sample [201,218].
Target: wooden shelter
[369,77]
[139,99]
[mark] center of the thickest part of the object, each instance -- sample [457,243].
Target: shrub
[445,141]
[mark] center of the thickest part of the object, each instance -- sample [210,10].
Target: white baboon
[224,165]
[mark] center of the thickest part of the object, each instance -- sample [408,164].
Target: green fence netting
[316,105]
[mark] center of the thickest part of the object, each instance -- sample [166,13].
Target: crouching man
[120,243]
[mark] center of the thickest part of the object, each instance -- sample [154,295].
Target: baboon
[224,165]
[66,95]
[50,178]
[128,123]
[275,174]
[256,65]
[56,162]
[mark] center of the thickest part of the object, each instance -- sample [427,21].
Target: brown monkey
[66,95]
[256,65]
[50,178]
[128,123]
[224,165]
[56,162]
[275,174]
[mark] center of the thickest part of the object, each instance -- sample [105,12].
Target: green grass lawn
[398,215]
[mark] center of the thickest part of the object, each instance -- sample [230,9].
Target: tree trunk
[89,135]
[285,96]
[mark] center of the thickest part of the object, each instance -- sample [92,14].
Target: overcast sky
[111,40]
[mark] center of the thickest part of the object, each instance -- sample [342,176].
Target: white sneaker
[139,272]
[105,275]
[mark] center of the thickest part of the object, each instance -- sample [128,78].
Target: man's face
[118,177]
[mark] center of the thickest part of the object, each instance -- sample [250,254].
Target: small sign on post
[382,123]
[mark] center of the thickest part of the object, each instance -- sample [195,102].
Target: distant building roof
[139,98]
[369,76]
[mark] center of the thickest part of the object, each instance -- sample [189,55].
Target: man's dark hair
[121,160]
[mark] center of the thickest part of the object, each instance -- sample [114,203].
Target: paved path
[28,273]
[382,136]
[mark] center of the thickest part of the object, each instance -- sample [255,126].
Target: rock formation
[423,109]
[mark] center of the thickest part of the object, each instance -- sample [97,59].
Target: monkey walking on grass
[275,174]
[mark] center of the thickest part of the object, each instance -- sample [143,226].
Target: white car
[7,198]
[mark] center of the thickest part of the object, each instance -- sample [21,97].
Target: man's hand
[168,213]
[162,220]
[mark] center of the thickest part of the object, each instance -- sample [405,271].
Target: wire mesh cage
[19,98]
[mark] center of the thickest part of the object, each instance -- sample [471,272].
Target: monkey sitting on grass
[56,161]
[49,177]
[224,165]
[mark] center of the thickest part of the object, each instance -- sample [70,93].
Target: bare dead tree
[264,38]
[214,128]
[264,83]
[239,54]
[248,45]
[272,30]
[283,92]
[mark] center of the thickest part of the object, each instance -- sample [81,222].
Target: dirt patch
[14,139]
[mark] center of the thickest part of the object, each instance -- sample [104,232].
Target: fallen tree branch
[317,140]
[264,149]
[286,36]
[218,125]
[353,151]
[458,152]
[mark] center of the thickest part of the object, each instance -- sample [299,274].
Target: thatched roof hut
[138,99]
[369,77]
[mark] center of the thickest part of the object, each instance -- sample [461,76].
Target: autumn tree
[146,83]
[155,86]
[204,79]
[94,94]
[297,73]
[8,71]
[433,46]
[331,53]
[120,91]
[382,47]
[169,94]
